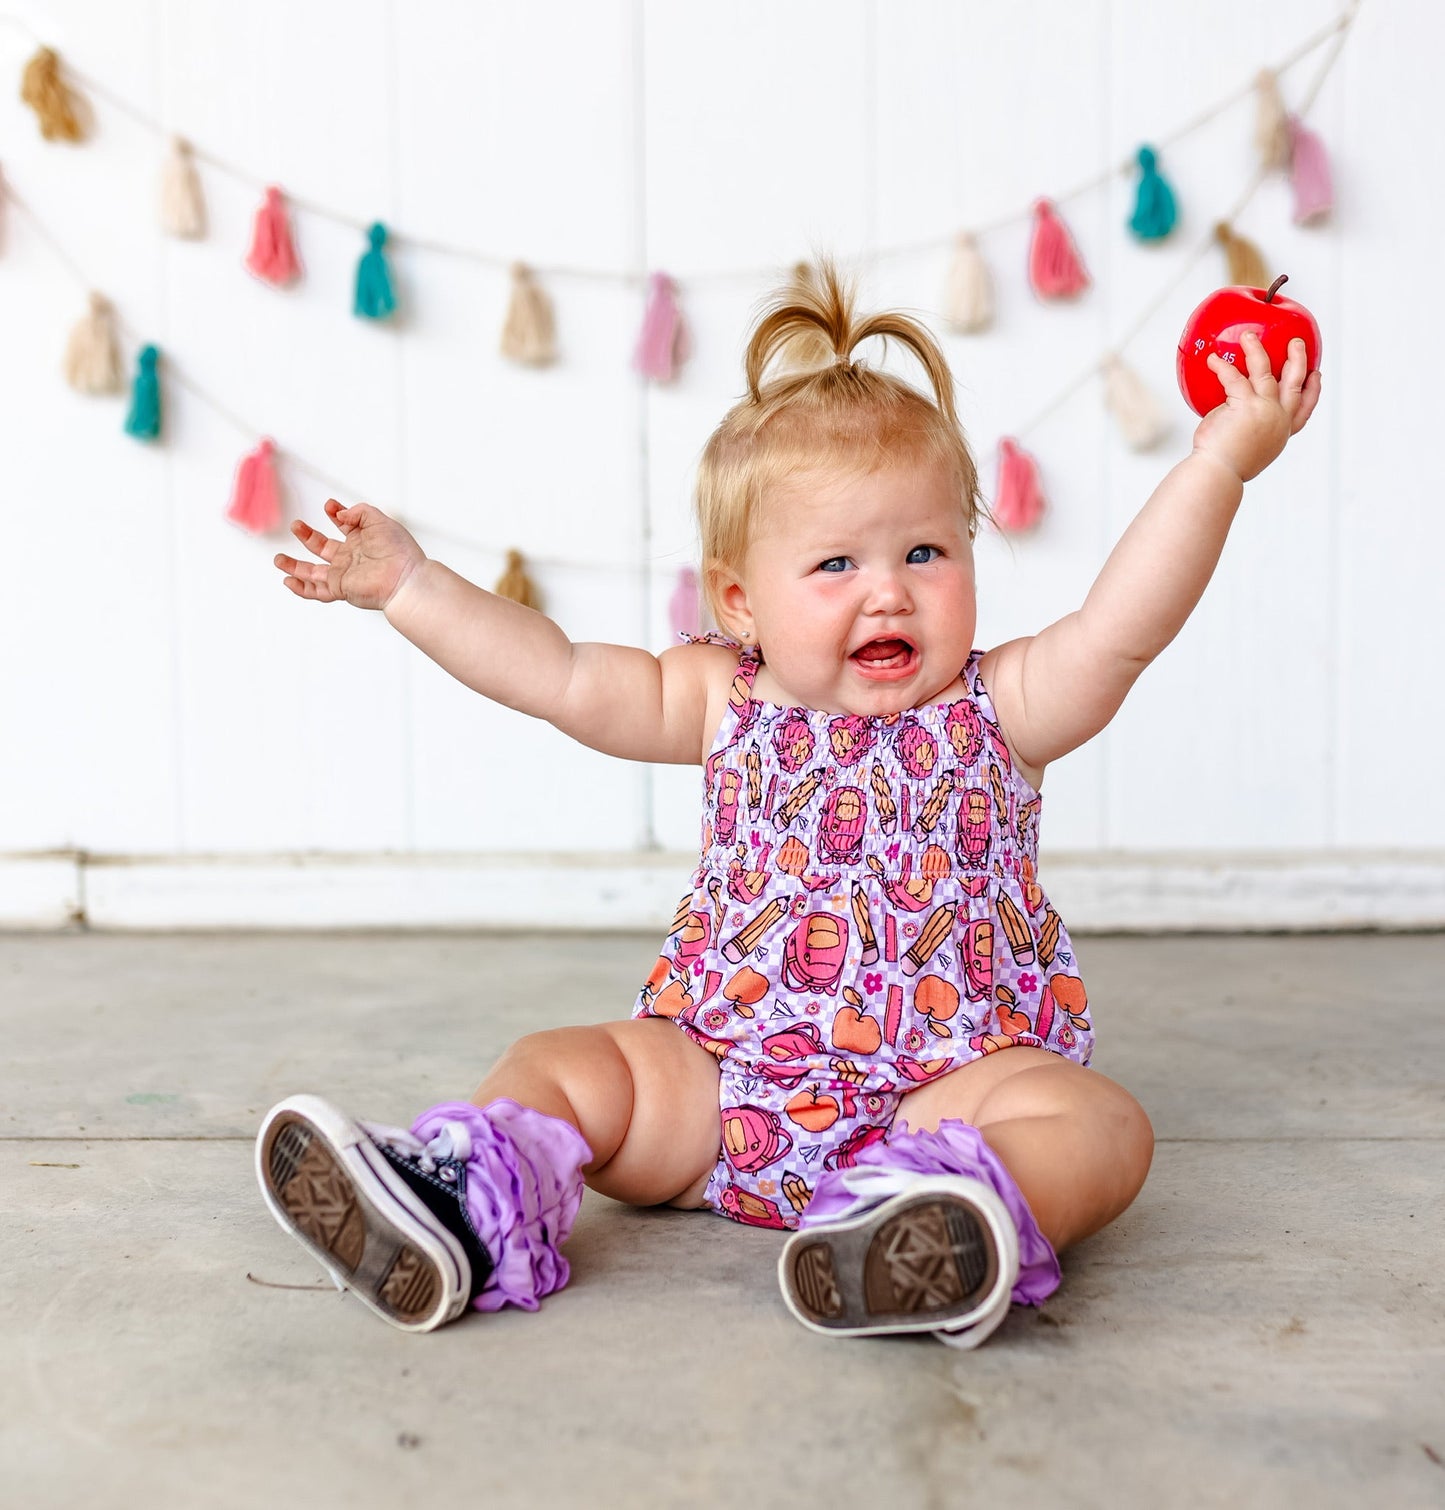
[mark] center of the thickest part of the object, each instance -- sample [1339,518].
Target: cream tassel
[183,207]
[1243,260]
[514,583]
[92,358]
[529,334]
[968,300]
[1140,419]
[1272,137]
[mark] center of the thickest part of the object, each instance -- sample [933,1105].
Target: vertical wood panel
[967,136]
[287,718]
[532,111]
[755,156]
[1385,391]
[87,753]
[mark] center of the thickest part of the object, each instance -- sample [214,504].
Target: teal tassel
[374,297]
[144,419]
[1154,210]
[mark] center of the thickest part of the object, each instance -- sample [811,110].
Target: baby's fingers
[1231,378]
[305,578]
[1261,370]
[1308,399]
[314,541]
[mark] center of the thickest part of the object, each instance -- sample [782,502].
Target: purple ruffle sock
[524,1185]
[956,1148]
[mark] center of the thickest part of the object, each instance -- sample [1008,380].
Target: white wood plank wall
[184,744]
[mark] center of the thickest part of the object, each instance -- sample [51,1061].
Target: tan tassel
[92,358]
[968,301]
[1245,264]
[183,207]
[514,583]
[1141,421]
[42,88]
[809,348]
[529,335]
[1272,137]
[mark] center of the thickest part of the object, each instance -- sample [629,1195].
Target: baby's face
[859,589]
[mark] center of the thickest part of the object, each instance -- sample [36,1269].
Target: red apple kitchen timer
[1222,320]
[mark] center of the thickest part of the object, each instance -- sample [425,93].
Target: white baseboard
[1095,893]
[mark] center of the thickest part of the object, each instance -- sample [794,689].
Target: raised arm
[1057,689]
[620,700]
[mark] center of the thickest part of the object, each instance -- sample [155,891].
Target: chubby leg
[1077,1144]
[642,1093]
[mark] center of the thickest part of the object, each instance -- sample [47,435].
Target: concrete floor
[1265,1326]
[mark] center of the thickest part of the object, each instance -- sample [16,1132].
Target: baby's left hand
[1259,414]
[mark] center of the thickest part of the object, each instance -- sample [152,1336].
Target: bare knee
[577,1074]
[1133,1140]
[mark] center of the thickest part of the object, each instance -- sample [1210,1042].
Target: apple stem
[1274,287]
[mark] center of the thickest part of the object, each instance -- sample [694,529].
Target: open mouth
[885,655]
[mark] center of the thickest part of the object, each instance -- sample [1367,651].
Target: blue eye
[917,548]
[825,565]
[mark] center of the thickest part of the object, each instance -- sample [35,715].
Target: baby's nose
[888,592]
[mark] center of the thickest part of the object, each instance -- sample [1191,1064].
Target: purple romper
[866,917]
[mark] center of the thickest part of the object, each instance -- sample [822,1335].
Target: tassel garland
[968,300]
[1245,266]
[662,346]
[684,612]
[1019,498]
[529,335]
[1056,271]
[514,583]
[272,257]
[1271,124]
[256,497]
[375,298]
[92,357]
[183,207]
[1140,419]
[1154,209]
[1310,178]
[56,107]
[144,419]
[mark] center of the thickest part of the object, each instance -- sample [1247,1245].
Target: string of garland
[1055,270]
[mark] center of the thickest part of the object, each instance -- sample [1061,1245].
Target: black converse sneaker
[385,1213]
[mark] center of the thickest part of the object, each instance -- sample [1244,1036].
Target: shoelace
[453,1144]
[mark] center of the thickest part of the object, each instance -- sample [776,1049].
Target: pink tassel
[256,499]
[662,346]
[1019,499]
[1056,271]
[272,257]
[682,608]
[1309,173]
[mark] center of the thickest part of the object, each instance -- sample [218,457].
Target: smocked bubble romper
[866,917]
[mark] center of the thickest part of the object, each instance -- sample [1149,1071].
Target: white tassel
[1140,419]
[183,207]
[1272,137]
[92,358]
[529,334]
[968,301]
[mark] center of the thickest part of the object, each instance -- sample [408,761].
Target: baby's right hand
[374,556]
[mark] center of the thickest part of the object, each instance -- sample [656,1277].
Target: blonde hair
[822,410]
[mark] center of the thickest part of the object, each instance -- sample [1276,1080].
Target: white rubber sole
[941,1255]
[329,1185]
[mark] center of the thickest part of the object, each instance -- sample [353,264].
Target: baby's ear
[730,599]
